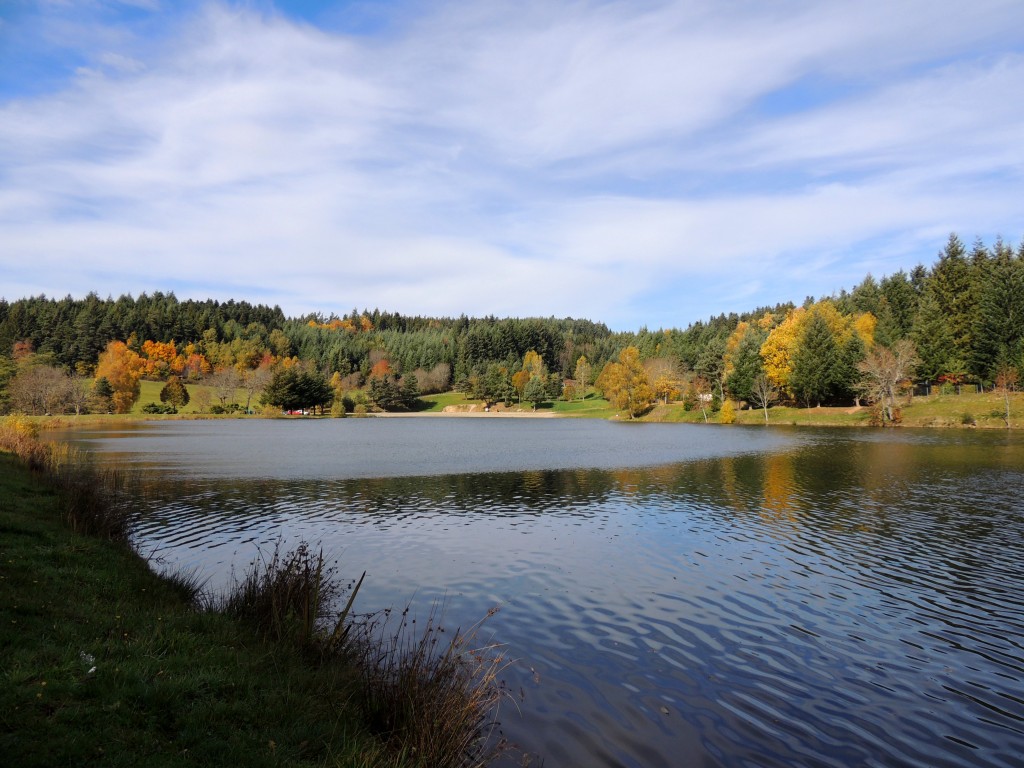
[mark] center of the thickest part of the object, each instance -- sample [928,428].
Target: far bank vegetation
[953,328]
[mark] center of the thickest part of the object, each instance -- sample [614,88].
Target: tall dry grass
[432,696]
[98,501]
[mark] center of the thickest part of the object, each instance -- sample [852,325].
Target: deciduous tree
[886,374]
[1006,382]
[763,394]
[174,392]
[122,368]
[583,372]
[627,387]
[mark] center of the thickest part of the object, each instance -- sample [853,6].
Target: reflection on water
[714,597]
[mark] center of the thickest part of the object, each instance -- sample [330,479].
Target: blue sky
[637,163]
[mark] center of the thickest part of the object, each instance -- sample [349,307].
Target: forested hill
[965,315]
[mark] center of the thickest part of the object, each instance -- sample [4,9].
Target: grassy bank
[975,410]
[106,663]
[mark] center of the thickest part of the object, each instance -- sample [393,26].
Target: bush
[968,419]
[159,408]
[727,413]
[217,408]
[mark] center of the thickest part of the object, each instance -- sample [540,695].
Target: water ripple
[832,600]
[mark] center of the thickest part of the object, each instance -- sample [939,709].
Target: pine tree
[816,363]
[999,327]
[747,366]
[950,284]
[932,338]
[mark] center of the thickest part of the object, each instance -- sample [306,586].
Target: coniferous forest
[959,321]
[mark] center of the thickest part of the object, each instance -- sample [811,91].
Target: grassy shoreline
[968,411]
[105,662]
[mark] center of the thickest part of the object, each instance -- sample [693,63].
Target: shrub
[727,413]
[968,419]
[160,408]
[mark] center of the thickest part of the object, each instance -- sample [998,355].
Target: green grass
[437,403]
[592,407]
[150,393]
[104,662]
[932,411]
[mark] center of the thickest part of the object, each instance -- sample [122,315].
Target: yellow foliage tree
[519,381]
[731,345]
[727,413]
[864,326]
[534,364]
[626,386]
[122,368]
[780,347]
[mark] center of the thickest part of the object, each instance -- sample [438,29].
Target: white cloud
[536,158]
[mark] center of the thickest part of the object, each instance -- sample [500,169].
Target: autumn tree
[534,363]
[175,393]
[886,374]
[763,393]
[122,368]
[160,357]
[780,348]
[519,381]
[225,383]
[1006,382]
[700,388]
[42,389]
[255,380]
[665,378]
[626,386]
[581,375]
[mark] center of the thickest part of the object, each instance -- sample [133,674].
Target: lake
[675,595]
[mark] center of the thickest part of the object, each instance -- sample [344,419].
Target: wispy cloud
[638,163]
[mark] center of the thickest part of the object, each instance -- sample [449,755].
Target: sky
[637,163]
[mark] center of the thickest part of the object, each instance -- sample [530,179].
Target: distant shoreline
[468,415]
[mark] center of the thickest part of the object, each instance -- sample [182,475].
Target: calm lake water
[675,595]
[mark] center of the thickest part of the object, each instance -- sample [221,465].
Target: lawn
[104,662]
[201,397]
[967,410]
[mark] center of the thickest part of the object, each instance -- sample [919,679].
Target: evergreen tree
[410,391]
[816,363]
[932,338]
[999,326]
[747,366]
[950,285]
[902,299]
[536,391]
[848,374]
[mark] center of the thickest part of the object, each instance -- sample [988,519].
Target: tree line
[959,321]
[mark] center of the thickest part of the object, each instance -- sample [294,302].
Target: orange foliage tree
[160,357]
[122,368]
